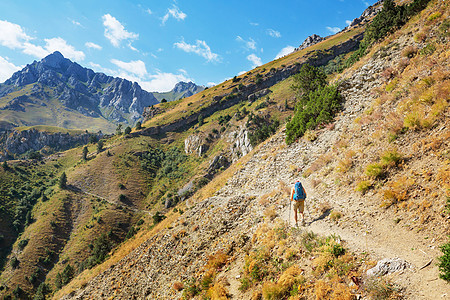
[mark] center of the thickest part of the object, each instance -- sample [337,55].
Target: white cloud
[333,30]
[285,51]
[6,69]
[115,32]
[174,12]
[254,24]
[273,33]
[200,48]
[149,11]
[348,22]
[59,44]
[12,35]
[163,82]
[210,84]
[159,82]
[242,73]
[93,46]
[255,60]
[135,66]
[250,44]
[76,23]
[34,50]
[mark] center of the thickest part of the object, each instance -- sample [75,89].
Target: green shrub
[428,49]
[444,262]
[191,290]
[315,108]
[138,126]
[22,244]
[444,28]
[14,262]
[65,276]
[363,186]
[41,292]
[63,180]
[200,120]
[391,157]
[308,79]
[260,128]
[157,217]
[375,170]
[245,284]
[85,152]
[127,130]
[100,145]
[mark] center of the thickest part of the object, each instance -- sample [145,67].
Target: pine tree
[99,146]
[85,152]
[63,180]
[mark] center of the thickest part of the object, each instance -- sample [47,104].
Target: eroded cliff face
[13,143]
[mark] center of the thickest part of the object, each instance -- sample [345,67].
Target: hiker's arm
[304,192]
[292,194]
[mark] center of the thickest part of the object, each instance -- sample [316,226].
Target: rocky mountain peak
[79,89]
[309,41]
[184,86]
[54,60]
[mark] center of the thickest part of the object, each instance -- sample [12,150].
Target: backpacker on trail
[298,195]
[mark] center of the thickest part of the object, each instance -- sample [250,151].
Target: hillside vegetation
[202,211]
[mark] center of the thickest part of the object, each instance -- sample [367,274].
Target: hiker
[298,195]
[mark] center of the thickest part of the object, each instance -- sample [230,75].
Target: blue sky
[158,43]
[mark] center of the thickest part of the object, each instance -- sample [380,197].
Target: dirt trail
[364,226]
[382,240]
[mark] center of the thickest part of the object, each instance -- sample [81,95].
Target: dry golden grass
[216,261]
[318,164]
[218,291]
[271,212]
[123,250]
[335,215]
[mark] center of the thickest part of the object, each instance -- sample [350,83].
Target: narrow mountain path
[77,189]
[364,226]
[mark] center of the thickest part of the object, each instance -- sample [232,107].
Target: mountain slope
[232,236]
[58,92]
[376,177]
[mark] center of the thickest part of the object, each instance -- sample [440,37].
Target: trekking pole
[289,220]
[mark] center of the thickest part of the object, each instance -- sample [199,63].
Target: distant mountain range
[58,92]
[181,90]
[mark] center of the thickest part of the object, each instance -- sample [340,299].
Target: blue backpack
[299,193]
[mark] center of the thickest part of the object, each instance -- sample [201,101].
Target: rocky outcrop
[78,88]
[259,94]
[219,162]
[367,15]
[240,143]
[195,144]
[16,142]
[309,41]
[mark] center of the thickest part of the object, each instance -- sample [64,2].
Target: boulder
[387,266]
